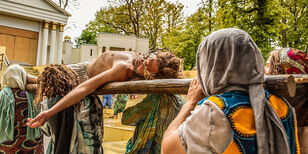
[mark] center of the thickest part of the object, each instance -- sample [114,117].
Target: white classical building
[31,31]
[105,42]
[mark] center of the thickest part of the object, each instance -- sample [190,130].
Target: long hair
[56,81]
[169,66]
[274,63]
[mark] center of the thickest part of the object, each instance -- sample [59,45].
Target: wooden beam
[300,78]
[281,85]
[165,86]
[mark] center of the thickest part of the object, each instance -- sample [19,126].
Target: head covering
[230,57]
[14,76]
[293,61]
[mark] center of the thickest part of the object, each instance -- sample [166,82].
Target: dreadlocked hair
[56,81]
[169,66]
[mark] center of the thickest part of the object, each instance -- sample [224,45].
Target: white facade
[68,53]
[88,52]
[105,42]
[41,16]
[21,23]
[114,42]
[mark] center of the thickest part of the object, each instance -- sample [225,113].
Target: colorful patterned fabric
[87,133]
[88,129]
[151,117]
[294,61]
[120,103]
[237,108]
[20,144]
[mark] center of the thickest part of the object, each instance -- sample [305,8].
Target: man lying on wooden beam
[111,67]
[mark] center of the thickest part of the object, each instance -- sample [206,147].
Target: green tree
[153,21]
[142,18]
[209,9]
[261,19]
[185,41]
[174,22]
[86,37]
[296,24]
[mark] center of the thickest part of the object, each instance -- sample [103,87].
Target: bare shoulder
[122,65]
[117,54]
[122,71]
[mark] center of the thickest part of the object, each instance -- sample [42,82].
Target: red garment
[20,145]
[297,60]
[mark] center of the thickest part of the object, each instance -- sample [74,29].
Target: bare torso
[108,59]
[109,67]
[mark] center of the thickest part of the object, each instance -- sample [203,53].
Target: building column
[44,43]
[60,43]
[39,46]
[53,43]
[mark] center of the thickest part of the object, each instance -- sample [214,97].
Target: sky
[85,12]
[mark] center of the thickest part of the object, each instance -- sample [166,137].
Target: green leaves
[86,38]
[271,23]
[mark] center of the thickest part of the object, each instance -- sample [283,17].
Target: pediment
[41,10]
[45,5]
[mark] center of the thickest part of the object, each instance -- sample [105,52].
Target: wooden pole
[300,78]
[281,85]
[160,86]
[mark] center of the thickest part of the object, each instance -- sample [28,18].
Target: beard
[136,64]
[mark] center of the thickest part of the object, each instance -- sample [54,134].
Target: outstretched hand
[39,120]
[195,93]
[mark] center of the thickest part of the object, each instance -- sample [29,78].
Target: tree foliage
[271,23]
[86,37]
[296,23]
[142,18]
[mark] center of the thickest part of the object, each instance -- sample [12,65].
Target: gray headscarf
[14,76]
[230,57]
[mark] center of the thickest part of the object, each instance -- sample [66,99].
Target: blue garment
[236,105]
[109,99]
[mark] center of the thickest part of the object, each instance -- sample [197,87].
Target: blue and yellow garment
[237,108]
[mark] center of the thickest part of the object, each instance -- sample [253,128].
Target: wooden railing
[281,85]
[4,61]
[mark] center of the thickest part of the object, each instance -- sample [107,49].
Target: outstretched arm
[171,141]
[116,73]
